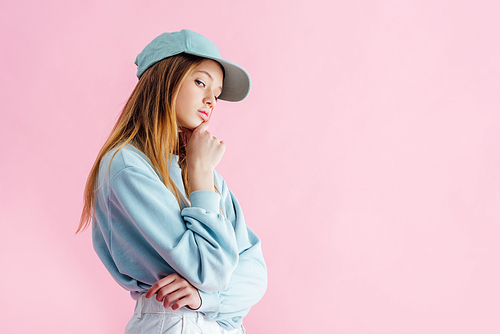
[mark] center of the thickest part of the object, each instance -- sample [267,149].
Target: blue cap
[236,85]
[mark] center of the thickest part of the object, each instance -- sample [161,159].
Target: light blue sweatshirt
[141,236]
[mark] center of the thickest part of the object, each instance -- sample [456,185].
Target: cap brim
[236,82]
[236,85]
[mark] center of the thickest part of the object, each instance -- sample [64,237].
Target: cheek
[182,101]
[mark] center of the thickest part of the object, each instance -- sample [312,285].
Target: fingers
[174,291]
[177,284]
[167,290]
[191,301]
[164,285]
[210,114]
[160,284]
[187,296]
[200,131]
[176,296]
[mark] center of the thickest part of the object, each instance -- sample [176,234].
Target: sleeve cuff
[208,200]
[209,302]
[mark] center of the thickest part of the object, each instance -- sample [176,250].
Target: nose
[210,100]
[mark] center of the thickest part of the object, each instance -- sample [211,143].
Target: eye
[199,83]
[216,98]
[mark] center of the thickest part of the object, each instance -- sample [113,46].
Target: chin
[195,125]
[191,126]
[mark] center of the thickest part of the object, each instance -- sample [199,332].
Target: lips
[203,114]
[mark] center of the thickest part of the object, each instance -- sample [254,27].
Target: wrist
[201,179]
[199,168]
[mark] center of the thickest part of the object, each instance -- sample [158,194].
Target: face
[198,94]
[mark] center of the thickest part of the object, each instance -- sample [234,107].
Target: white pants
[151,317]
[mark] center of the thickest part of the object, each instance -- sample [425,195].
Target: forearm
[199,244]
[246,287]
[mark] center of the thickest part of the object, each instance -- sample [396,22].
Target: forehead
[212,68]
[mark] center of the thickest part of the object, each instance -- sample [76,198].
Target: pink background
[366,157]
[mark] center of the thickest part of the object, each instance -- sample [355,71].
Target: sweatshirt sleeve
[197,242]
[248,282]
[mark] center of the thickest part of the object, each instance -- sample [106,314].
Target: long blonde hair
[148,121]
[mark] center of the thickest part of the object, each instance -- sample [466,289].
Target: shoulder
[125,158]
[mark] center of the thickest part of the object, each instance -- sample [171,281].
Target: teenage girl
[164,223]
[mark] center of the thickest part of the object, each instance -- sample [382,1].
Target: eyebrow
[208,76]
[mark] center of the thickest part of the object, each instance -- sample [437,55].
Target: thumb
[203,126]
